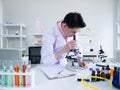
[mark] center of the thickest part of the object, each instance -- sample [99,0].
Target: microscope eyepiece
[74,37]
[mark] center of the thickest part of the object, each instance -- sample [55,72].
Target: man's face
[71,31]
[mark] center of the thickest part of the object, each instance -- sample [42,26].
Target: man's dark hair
[74,20]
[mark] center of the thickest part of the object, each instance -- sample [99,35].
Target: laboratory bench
[69,83]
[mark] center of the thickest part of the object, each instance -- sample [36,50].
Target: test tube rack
[21,74]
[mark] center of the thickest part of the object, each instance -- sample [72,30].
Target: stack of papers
[56,71]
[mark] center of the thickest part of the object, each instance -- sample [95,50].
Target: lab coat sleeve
[47,51]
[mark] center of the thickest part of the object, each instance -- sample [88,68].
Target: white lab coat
[53,41]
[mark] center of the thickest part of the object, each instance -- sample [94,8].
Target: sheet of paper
[56,71]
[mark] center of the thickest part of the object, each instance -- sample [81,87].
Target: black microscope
[72,57]
[102,55]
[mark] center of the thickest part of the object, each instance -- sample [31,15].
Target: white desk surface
[69,83]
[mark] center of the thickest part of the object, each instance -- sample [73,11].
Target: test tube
[10,77]
[28,77]
[4,77]
[0,71]
[24,77]
[17,77]
[21,76]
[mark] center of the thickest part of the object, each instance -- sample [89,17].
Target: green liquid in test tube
[0,72]
[4,77]
[0,78]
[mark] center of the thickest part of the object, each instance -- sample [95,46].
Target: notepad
[56,72]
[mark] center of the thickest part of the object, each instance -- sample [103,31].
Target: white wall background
[0,11]
[98,15]
[0,16]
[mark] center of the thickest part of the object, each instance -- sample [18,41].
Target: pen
[60,72]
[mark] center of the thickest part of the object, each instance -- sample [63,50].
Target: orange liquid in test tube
[24,77]
[17,77]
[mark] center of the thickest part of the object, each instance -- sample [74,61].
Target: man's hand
[70,45]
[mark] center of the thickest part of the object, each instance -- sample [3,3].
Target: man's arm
[69,46]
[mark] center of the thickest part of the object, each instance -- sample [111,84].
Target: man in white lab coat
[55,45]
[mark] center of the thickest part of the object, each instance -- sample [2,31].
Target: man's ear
[65,25]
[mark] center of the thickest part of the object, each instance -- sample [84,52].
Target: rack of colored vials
[16,74]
